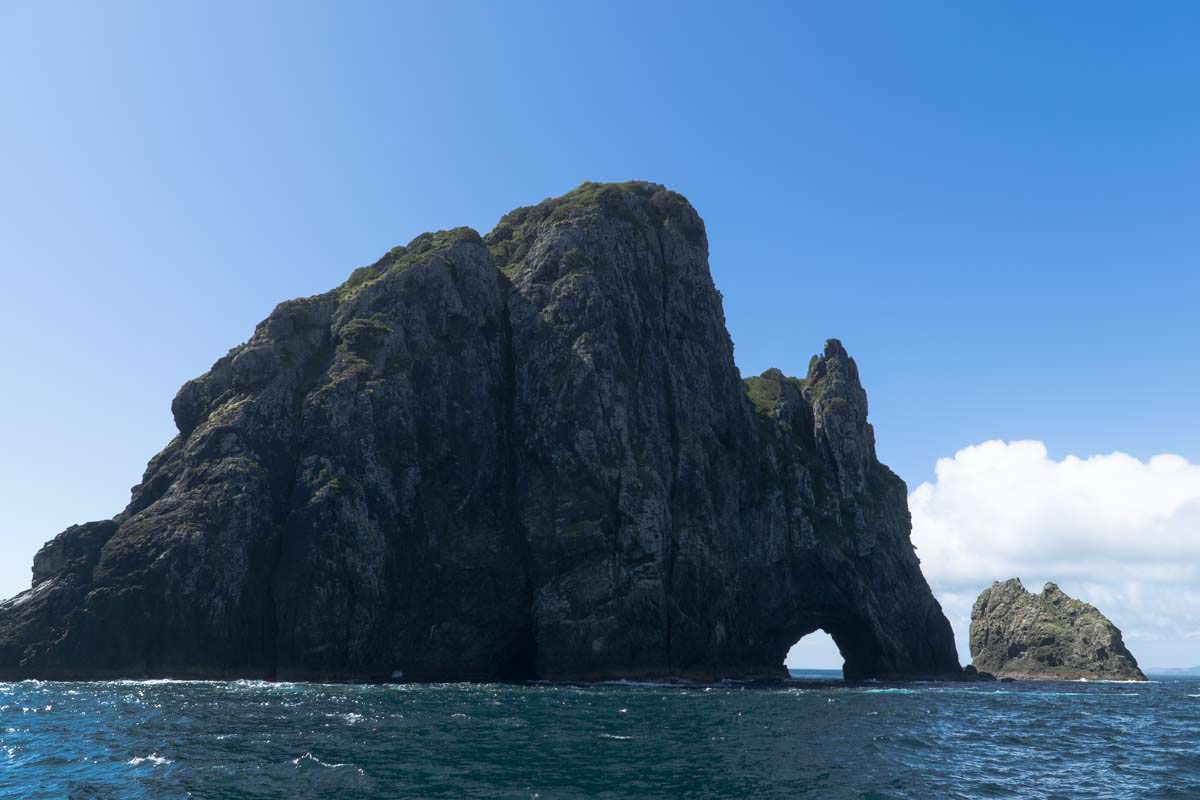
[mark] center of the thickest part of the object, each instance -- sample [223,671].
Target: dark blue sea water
[163,739]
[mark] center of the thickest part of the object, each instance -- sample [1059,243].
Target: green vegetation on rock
[1048,636]
[524,456]
[363,336]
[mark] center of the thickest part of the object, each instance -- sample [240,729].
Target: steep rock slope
[528,454]
[1048,636]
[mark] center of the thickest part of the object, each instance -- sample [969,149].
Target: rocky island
[521,455]
[1049,636]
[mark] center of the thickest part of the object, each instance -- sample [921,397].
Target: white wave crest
[153,758]
[310,757]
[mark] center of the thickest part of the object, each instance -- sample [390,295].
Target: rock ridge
[521,455]
[1048,636]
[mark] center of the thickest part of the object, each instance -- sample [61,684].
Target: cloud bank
[1115,531]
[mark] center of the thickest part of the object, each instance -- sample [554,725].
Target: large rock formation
[523,455]
[1048,636]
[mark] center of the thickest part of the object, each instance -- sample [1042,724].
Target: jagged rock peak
[527,454]
[1048,636]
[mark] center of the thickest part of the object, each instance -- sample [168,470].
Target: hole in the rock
[815,656]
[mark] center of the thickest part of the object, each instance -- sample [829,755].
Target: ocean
[819,738]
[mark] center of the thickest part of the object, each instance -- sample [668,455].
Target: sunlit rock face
[523,455]
[1049,636]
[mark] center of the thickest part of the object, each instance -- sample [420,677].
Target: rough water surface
[817,739]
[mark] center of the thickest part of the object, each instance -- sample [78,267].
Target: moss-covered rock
[1049,636]
[524,455]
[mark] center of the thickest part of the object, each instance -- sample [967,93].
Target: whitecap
[310,757]
[153,758]
[615,736]
[141,682]
[649,683]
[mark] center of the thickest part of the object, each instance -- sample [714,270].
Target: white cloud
[1117,532]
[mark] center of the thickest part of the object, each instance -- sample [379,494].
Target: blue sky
[994,209]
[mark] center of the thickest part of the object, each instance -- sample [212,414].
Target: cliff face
[523,455]
[1048,636]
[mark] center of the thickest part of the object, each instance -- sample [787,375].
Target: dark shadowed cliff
[523,455]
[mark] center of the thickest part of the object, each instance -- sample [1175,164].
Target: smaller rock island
[1046,637]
